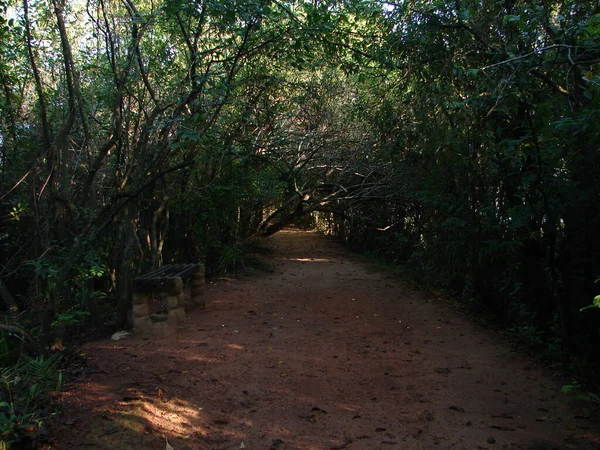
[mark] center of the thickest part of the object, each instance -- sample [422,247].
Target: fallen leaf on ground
[457,408]
[220,422]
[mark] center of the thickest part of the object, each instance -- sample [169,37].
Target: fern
[25,387]
[41,370]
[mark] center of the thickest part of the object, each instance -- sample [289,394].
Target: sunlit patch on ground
[236,346]
[311,259]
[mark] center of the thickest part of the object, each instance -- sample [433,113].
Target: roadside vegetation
[459,140]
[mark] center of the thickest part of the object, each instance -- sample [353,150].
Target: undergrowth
[242,257]
[25,387]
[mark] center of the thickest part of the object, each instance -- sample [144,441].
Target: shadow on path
[323,353]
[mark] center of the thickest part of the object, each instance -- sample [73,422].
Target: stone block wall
[145,323]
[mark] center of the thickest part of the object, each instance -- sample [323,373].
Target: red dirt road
[323,353]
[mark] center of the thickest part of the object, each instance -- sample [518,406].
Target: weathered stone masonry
[168,281]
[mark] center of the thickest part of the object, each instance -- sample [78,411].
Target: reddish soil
[326,352]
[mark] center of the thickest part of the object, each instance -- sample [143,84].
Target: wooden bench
[168,282]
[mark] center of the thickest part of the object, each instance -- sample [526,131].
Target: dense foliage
[458,139]
[491,128]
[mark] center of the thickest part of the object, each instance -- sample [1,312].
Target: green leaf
[595,304]
[509,18]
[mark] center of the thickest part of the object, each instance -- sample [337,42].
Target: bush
[25,388]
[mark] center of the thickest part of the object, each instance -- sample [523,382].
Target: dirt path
[323,353]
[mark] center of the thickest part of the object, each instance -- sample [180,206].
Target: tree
[458,138]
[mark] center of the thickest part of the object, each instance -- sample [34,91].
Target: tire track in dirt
[323,353]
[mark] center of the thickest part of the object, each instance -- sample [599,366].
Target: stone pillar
[176,318]
[173,295]
[197,290]
[141,313]
[173,298]
[175,310]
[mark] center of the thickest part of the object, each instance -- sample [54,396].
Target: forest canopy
[457,140]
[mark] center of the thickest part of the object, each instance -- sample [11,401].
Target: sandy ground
[325,352]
